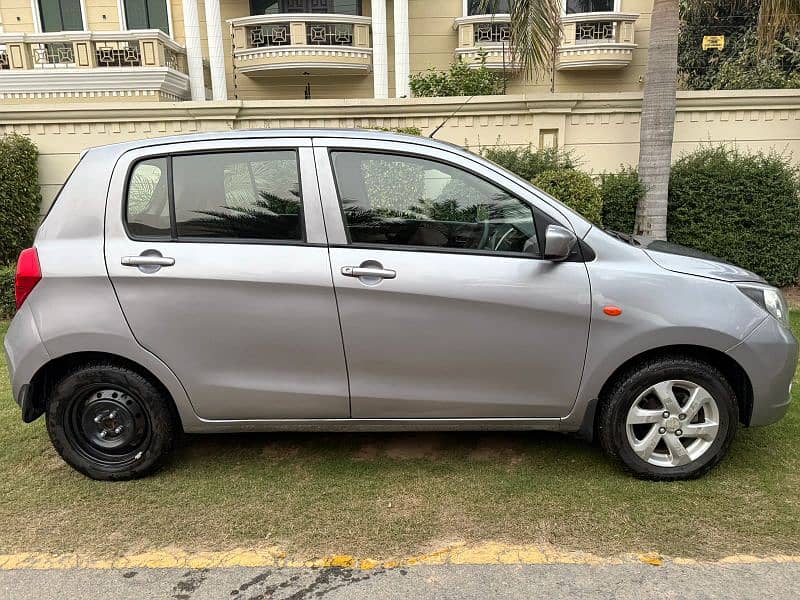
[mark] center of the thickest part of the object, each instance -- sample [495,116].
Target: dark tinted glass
[146,14]
[401,200]
[582,6]
[271,7]
[242,195]
[478,7]
[148,200]
[61,15]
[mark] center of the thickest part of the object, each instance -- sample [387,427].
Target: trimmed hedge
[575,189]
[7,299]
[743,208]
[621,193]
[528,163]
[19,195]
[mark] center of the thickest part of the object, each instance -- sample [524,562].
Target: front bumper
[769,356]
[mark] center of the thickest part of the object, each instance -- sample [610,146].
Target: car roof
[242,134]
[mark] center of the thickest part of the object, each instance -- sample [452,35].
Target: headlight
[768,298]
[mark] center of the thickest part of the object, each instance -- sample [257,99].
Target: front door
[447,309]
[219,261]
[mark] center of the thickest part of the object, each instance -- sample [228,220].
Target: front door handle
[369,272]
[147,261]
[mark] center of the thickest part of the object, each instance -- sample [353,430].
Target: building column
[402,59]
[216,52]
[194,49]
[380,52]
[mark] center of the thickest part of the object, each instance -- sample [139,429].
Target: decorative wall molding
[97,82]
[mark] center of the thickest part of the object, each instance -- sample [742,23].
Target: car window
[233,195]
[148,200]
[390,199]
[243,195]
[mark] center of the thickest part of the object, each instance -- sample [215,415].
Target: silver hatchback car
[337,280]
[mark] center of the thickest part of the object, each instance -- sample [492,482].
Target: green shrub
[7,299]
[459,80]
[743,208]
[621,193]
[19,195]
[405,130]
[575,189]
[528,163]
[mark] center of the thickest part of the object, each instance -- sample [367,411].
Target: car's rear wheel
[110,422]
[669,418]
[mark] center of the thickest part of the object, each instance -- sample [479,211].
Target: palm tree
[535,33]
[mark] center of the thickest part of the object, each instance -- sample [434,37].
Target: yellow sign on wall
[713,42]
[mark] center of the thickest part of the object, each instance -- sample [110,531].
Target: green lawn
[383,495]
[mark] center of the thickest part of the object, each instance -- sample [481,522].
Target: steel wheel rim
[672,423]
[109,426]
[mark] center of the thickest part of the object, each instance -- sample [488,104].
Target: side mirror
[558,243]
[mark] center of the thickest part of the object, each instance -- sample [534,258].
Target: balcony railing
[485,39]
[83,49]
[305,43]
[84,64]
[602,40]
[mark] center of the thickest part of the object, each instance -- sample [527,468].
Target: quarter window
[148,200]
[235,196]
[407,201]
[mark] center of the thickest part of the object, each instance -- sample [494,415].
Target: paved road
[632,581]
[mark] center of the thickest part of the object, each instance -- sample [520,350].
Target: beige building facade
[176,50]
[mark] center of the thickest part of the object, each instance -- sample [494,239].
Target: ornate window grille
[329,34]
[4,64]
[112,56]
[274,34]
[57,54]
[593,32]
[492,33]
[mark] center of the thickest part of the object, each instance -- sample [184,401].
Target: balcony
[301,43]
[80,66]
[485,36]
[602,40]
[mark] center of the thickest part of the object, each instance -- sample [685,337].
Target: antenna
[450,116]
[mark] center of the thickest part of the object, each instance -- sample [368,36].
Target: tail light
[29,273]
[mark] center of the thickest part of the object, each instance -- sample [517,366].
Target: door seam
[333,283]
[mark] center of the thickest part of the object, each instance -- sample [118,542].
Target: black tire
[109,422]
[625,390]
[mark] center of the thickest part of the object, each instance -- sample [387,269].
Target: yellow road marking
[488,553]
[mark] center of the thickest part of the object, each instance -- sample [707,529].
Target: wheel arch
[53,370]
[733,371]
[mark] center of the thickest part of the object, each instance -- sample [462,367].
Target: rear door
[217,252]
[447,308]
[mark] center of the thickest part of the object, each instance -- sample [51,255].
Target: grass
[384,495]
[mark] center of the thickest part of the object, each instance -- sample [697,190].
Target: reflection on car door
[224,275]
[446,308]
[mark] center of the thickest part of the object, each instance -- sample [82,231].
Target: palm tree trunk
[658,119]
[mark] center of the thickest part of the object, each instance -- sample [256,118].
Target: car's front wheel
[669,418]
[110,422]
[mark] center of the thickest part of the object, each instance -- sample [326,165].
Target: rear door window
[218,196]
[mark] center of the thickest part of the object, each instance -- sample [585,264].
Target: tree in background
[741,64]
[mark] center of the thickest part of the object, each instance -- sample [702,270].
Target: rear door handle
[369,272]
[147,261]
